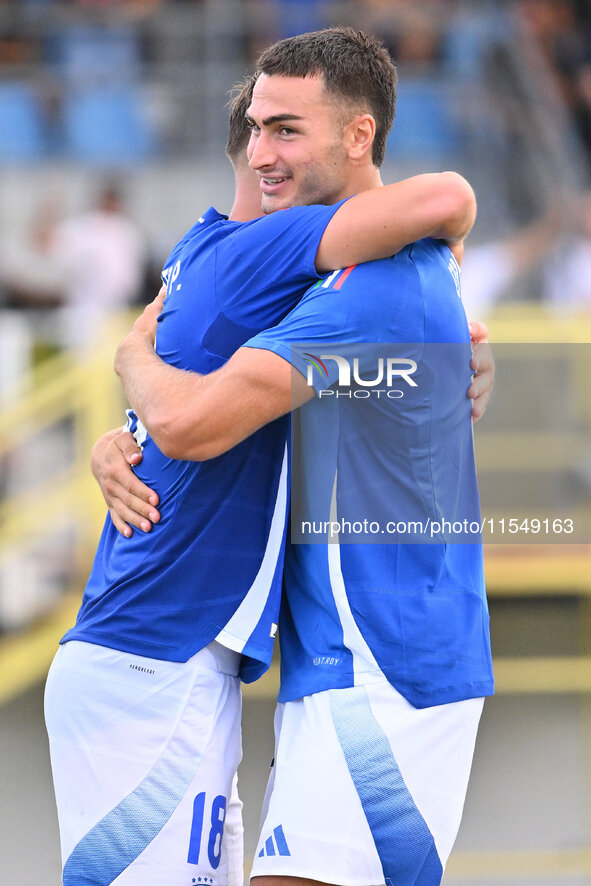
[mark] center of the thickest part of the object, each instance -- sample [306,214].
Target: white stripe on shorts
[143,754]
[366,789]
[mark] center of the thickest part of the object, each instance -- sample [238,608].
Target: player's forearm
[182,411]
[453,209]
[197,417]
[440,205]
[157,392]
[379,222]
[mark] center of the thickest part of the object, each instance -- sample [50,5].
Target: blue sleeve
[264,266]
[379,302]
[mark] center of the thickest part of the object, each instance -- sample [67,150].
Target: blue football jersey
[212,567]
[384,573]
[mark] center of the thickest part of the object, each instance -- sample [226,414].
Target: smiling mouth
[271,182]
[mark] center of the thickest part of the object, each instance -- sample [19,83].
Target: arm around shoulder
[378,223]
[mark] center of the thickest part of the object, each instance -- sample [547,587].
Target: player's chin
[271,203]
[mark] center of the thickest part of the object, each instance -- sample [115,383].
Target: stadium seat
[87,54]
[21,124]
[299,16]
[424,124]
[108,125]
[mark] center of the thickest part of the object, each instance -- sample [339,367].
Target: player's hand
[130,502]
[483,365]
[147,322]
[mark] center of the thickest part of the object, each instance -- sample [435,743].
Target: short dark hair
[356,67]
[238,126]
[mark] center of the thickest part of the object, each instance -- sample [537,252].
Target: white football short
[144,755]
[365,789]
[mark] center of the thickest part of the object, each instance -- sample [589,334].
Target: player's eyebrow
[275,118]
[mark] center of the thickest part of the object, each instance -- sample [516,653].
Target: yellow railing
[85,390]
[533,323]
[88,395]
[540,569]
[85,397]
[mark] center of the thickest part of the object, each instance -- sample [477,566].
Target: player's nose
[261,152]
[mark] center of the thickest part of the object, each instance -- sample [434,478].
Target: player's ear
[358,137]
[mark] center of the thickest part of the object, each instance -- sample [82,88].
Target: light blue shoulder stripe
[403,840]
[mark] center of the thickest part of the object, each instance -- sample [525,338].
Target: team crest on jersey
[276,844]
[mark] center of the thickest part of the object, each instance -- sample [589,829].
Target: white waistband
[215,656]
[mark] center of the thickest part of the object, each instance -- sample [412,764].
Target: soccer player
[386,655]
[143,702]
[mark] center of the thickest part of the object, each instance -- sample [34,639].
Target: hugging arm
[380,222]
[257,386]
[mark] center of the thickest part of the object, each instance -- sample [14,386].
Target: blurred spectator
[16,48]
[89,265]
[492,272]
[567,278]
[548,260]
[411,31]
[554,24]
[101,257]
[28,274]
[562,30]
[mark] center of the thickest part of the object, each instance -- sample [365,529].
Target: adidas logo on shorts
[277,846]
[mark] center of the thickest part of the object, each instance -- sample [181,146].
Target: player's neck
[243,211]
[362,179]
[247,195]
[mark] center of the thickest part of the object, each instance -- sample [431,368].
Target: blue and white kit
[208,576]
[405,620]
